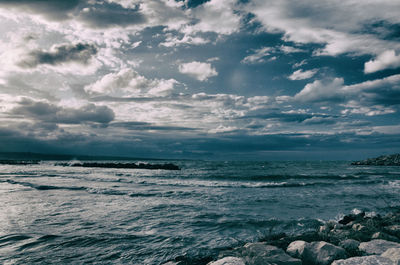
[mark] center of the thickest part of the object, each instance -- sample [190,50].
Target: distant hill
[40,156]
[385,160]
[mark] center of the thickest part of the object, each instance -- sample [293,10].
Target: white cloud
[301,75]
[258,56]
[172,41]
[128,82]
[338,26]
[386,60]
[200,71]
[320,91]
[290,49]
[215,16]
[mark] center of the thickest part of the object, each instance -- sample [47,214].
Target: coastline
[357,238]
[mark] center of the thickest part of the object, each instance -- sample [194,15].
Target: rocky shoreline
[355,239]
[385,160]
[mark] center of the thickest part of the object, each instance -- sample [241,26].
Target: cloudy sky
[217,79]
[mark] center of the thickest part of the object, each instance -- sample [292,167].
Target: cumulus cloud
[48,112]
[339,27]
[217,16]
[198,70]
[301,75]
[319,91]
[128,82]
[386,60]
[371,98]
[65,53]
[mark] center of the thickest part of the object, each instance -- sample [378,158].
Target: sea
[52,214]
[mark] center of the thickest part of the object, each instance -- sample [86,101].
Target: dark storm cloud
[287,117]
[48,112]
[384,29]
[319,120]
[97,15]
[53,9]
[80,53]
[110,15]
[140,126]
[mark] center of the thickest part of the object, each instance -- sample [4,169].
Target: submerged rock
[228,261]
[322,253]
[377,246]
[367,260]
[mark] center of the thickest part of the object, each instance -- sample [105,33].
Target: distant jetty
[385,160]
[167,166]
[19,162]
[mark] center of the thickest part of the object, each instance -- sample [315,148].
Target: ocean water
[69,215]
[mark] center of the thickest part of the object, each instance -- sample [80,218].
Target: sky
[216,79]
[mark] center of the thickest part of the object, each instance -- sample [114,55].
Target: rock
[228,261]
[359,228]
[351,217]
[296,248]
[382,235]
[385,160]
[350,245]
[393,230]
[324,229]
[392,254]
[322,253]
[367,260]
[262,254]
[377,246]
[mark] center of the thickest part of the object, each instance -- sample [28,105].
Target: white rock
[322,253]
[392,254]
[296,248]
[367,260]
[377,246]
[228,261]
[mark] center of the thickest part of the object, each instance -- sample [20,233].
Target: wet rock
[228,261]
[261,254]
[322,253]
[351,218]
[350,245]
[382,235]
[324,229]
[393,230]
[393,254]
[377,246]
[359,228]
[296,248]
[367,260]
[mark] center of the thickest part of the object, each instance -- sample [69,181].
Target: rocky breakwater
[167,166]
[385,160]
[355,239]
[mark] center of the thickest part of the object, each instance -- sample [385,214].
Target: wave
[285,177]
